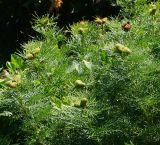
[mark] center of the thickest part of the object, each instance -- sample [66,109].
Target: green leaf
[88,64]
[16,61]
[75,66]
[6,113]
[10,66]
[2,82]
[104,57]
[36,83]
[57,102]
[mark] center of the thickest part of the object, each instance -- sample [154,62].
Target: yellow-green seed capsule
[11,84]
[5,74]
[98,20]
[29,56]
[35,51]
[77,105]
[17,79]
[121,48]
[81,30]
[79,84]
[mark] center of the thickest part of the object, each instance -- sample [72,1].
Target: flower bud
[79,84]
[35,51]
[77,105]
[29,56]
[121,48]
[11,84]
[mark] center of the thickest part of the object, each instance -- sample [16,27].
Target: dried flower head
[99,20]
[127,26]
[57,4]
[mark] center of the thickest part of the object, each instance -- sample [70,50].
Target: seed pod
[5,74]
[11,84]
[81,30]
[77,105]
[104,20]
[98,20]
[83,23]
[29,56]
[79,84]
[35,51]
[17,79]
[121,48]
[83,102]
[126,49]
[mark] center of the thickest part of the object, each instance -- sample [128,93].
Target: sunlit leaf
[75,66]
[16,61]
[88,64]
[57,102]
[6,113]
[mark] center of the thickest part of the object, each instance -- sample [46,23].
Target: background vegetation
[93,84]
[16,19]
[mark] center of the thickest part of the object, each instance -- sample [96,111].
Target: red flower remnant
[127,26]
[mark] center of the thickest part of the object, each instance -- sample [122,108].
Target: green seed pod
[104,20]
[77,105]
[98,20]
[121,48]
[5,74]
[17,79]
[81,30]
[127,50]
[35,51]
[79,84]
[29,56]
[11,84]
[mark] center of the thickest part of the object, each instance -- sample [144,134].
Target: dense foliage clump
[93,84]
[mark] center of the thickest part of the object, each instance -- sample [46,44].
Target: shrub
[120,90]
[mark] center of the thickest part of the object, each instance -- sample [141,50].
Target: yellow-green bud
[17,79]
[121,48]
[11,84]
[29,56]
[35,51]
[79,84]
[77,105]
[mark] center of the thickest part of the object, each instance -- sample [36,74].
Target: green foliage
[122,89]
[16,63]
